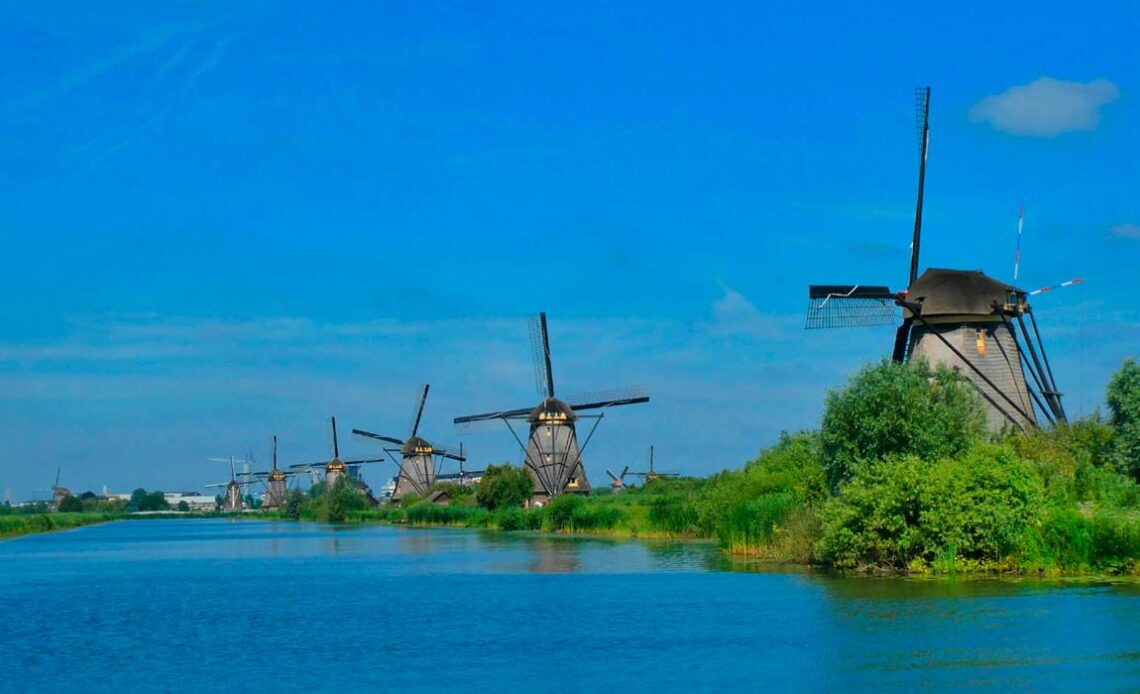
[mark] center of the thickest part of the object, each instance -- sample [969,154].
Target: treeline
[901,476]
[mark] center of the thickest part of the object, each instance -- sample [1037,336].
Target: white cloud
[1125,231]
[1046,107]
[736,315]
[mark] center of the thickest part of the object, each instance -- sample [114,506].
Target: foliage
[141,500]
[898,409]
[14,524]
[183,506]
[1123,399]
[293,503]
[515,518]
[503,486]
[975,508]
[338,502]
[70,504]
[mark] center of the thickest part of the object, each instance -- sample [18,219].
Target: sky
[224,221]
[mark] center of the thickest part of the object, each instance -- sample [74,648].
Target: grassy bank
[15,525]
[902,476]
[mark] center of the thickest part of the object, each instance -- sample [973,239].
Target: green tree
[893,409]
[70,504]
[293,504]
[183,506]
[340,500]
[1124,404]
[503,486]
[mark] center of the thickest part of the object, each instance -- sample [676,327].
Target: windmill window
[981,342]
[573,482]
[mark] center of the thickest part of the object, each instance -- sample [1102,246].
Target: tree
[70,504]
[503,486]
[293,504]
[340,500]
[183,506]
[1124,404]
[898,409]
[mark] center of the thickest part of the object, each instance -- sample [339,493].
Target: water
[205,604]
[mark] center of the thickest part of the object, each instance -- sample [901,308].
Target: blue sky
[223,221]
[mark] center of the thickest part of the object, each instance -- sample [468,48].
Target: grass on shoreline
[17,524]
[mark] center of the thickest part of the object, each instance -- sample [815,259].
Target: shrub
[893,409]
[502,486]
[514,518]
[342,499]
[560,510]
[977,507]
[1123,399]
[70,504]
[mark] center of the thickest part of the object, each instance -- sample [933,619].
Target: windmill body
[552,451]
[233,501]
[553,456]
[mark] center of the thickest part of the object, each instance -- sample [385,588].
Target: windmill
[963,319]
[618,481]
[57,492]
[233,499]
[274,479]
[463,477]
[552,453]
[650,474]
[418,467]
[335,468]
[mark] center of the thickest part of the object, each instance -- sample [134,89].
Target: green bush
[560,511]
[514,518]
[594,516]
[893,409]
[70,504]
[1123,399]
[502,486]
[978,507]
[338,502]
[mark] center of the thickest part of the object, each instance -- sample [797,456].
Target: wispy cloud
[1125,231]
[1046,107]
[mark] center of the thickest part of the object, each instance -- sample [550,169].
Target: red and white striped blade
[1069,283]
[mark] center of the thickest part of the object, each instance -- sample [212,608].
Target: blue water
[183,605]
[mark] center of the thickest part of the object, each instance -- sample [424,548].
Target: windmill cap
[551,410]
[416,446]
[959,292]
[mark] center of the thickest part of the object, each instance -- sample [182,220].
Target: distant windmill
[335,468]
[233,499]
[418,467]
[552,453]
[651,474]
[57,492]
[275,481]
[961,318]
[618,481]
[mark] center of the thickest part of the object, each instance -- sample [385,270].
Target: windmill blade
[378,437]
[604,398]
[540,353]
[336,446]
[418,412]
[624,472]
[850,306]
[613,477]
[922,120]
[450,456]
[1062,285]
[487,416]
[626,396]
[361,462]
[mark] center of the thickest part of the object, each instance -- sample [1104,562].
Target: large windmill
[335,468]
[961,318]
[552,454]
[418,466]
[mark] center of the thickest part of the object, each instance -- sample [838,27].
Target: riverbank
[16,525]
